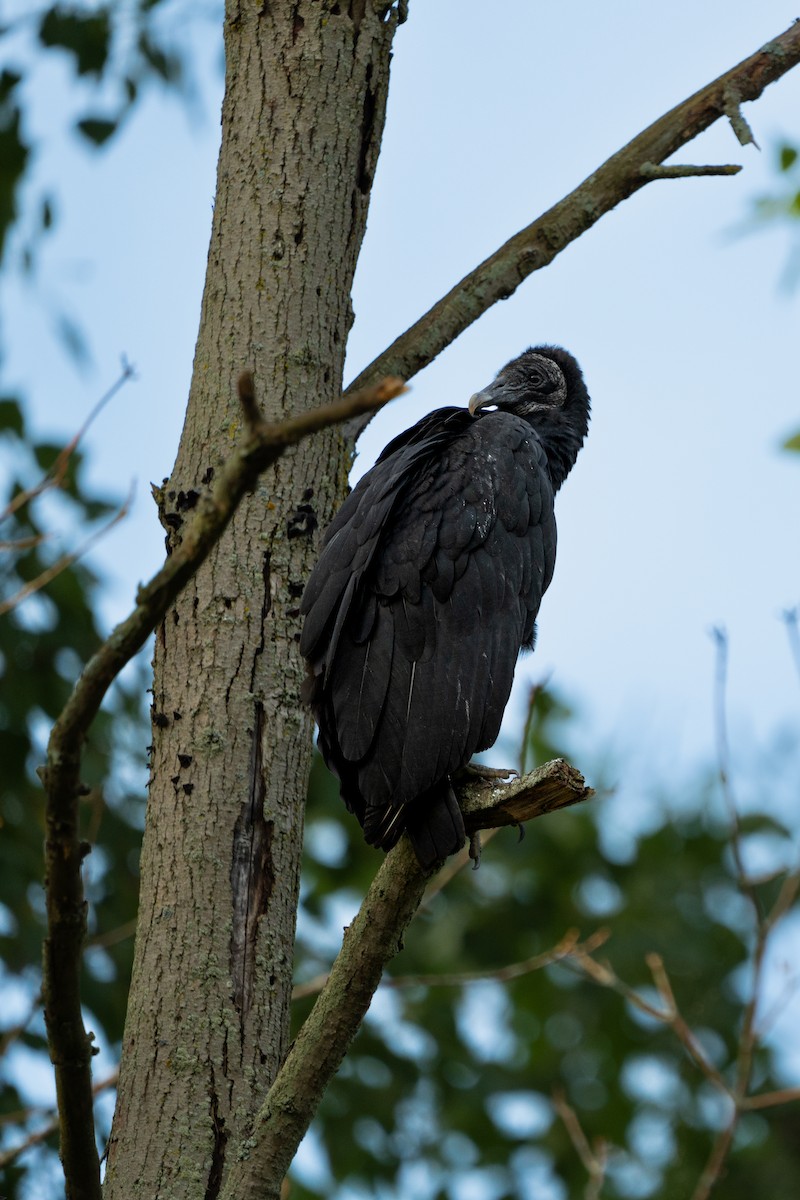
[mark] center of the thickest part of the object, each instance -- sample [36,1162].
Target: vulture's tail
[433,822]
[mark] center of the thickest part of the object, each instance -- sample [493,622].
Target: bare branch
[619,177]
[55,476]
[370,942]
[70,1045]
[41,1135]
[15,1032]
[569,944]
[716,1160]
[65,561]
[669,1014]
[771,1099]
[593,1158]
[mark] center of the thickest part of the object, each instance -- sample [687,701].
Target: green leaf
[793,443]
[8,81]
[788,157]
[46,454]
[86,35]
[96,129]
[14,153]
[167,66]
[11,419]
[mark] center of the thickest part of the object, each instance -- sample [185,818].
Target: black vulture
[427,587]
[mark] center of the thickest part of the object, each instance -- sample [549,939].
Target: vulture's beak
[495,393]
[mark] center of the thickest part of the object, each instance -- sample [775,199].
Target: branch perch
[70,1046]
[534,247]
[370,942]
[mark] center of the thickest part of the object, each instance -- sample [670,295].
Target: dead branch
[534,247]
[70,1045]
[489,805]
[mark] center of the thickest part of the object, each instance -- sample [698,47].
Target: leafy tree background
[449,1089]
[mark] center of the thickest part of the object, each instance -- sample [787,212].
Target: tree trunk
[208,1015]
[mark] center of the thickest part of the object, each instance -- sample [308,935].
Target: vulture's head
[545,386]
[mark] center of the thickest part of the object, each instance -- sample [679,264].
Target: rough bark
[208,1013]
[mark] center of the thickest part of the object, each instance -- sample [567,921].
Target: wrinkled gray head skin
[545,387]
[530,382]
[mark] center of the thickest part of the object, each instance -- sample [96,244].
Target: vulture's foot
[473,771]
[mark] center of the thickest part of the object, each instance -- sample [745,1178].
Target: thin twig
[771,1099]
[70,1045]
[712,1171]
[15,1032]
[55,476]
[533,695]
[120,934]
[569,944]
[791,619]
[668,1014]
[18,545]
[594,1158]
[720,637]
[619,177]
[41,1135]
[62,564]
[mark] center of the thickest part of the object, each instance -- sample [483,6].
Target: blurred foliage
[782,208]
[450,1087]
[44,641]
[114,52]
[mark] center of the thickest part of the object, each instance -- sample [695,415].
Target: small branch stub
[686,170]
[739,123]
